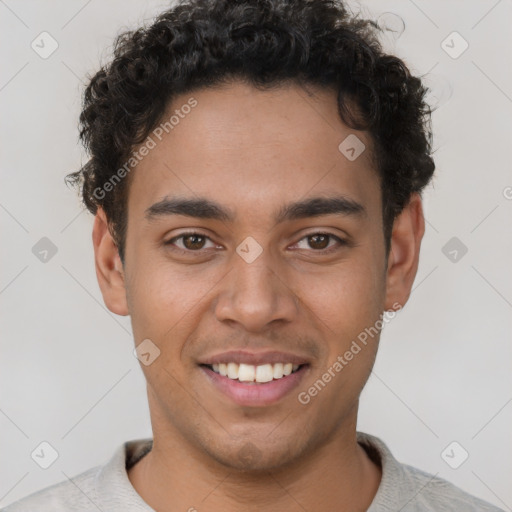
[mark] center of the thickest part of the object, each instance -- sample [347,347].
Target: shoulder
[102,487]
[430,492]
[76,494]
[410,489]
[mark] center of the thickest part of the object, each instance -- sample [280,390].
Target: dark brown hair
[200,43]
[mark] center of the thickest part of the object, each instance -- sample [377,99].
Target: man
[255,173]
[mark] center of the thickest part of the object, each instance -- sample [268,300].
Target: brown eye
[319,241]
[193,242]
[189,242]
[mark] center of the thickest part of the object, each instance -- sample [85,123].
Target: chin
[258,456]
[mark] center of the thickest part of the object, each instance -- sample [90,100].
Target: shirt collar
[115,490]
[113,487]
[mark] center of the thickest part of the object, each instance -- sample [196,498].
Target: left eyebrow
[318,206]
[204,208]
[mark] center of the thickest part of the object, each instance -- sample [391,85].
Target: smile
[254,373]
[255,386]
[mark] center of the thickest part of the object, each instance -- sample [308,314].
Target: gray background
[68,375]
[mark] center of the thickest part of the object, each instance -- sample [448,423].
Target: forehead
[246,148]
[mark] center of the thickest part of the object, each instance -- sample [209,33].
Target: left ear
[408,230]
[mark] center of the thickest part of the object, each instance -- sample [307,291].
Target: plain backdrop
[443,374]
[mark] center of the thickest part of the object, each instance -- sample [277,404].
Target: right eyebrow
[201,208]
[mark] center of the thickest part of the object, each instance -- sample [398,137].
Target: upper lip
[254,358]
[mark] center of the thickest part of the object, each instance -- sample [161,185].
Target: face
[253,240]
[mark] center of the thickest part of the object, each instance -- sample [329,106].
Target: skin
[252,152]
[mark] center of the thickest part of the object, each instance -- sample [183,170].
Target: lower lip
[255,394]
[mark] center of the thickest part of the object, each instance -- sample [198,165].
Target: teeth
[246,372]
[250,373]
[287,368]
[278,371]
[233,371]
[264,373]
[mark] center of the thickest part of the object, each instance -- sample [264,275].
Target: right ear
[109,268]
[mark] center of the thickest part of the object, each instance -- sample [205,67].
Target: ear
[408,230]
[109,269]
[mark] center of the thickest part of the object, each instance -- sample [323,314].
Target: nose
[256,294]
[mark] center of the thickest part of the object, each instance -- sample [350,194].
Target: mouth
[254,374]
[255,385]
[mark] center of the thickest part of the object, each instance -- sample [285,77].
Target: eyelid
[188,233]
[326,231]
[341,241]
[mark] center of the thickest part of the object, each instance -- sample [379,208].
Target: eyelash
[340,241]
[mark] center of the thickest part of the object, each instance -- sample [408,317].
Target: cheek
[345,298]
[167,304]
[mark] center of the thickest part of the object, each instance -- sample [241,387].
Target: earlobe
[408,230]
[109,269]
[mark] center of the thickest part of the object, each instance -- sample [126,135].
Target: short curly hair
[202,43]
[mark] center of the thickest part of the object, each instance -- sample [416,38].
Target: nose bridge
[253,293]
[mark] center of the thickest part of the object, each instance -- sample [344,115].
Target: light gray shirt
[106,488]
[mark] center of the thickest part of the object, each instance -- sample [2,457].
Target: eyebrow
[203,208]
